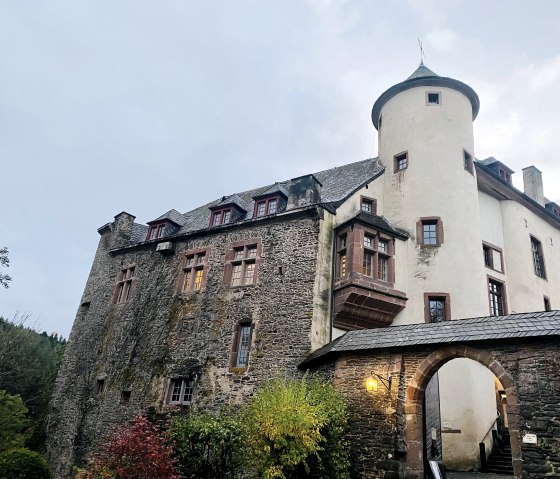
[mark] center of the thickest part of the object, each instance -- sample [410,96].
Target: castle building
[199,308]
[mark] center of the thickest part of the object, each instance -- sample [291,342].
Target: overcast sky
[145,106]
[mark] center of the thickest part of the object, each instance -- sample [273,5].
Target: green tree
[23,464]
[13,422]
[29,362]
[4,261]
[207,447]
[296,430]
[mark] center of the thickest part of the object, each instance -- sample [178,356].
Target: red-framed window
[156,231]
[194,268]
[266,206]
[242,345]
[221,217]
[242,263]
[124,285]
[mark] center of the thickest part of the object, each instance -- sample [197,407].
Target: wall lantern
[372,382]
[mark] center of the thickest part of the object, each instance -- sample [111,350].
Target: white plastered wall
[436,184]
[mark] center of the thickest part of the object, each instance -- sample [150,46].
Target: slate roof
[233,200]
[378,222]
[139,233]
[173,216]
[490,328]
[337,184]
[275,188]
[422,71]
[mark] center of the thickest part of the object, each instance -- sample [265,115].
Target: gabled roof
[172,215]
[489,328]
[275,188]
[232,200]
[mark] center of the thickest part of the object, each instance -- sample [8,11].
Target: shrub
[23,464]
[208,447]
[296,430]
[13,421]
[138,451]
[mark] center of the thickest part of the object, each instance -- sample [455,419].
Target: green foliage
[296,430]
[207,447]
[13,422]
[4,261]
[23,464]
[29,362]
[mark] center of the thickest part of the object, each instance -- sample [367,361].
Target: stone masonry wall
[379,429]
[160,333]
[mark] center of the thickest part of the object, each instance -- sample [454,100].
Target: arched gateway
[386,415]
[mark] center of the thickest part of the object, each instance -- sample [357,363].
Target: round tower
[426,144]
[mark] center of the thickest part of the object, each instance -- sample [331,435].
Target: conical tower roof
[421,72]
[423,76]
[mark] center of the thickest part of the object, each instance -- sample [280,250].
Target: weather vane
[422,54]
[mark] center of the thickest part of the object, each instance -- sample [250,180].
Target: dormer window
[267,206]
[504,175]
[221,217]
[156,231]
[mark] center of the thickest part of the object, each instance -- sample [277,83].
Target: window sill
[238,370]
[242,286]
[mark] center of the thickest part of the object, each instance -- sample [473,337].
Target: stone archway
[414,407]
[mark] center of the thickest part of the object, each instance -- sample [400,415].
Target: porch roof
[489,328]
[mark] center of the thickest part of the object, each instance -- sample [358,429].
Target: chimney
[532,184]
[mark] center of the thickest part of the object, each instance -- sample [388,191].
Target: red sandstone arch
[414,408]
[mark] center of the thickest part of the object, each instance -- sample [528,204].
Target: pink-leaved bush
[136,451]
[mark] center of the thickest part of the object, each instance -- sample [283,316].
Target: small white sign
[530,439]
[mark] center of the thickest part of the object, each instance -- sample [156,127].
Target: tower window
[429,231]
[547,306]
[400,162]
[433,98]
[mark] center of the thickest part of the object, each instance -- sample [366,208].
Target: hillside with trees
[29,362]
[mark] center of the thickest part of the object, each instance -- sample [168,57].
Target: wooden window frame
[420,231]
[371,201]
[537,254]
[156,231]
[435,296]
[342,266]
[468,163]
[124,284]
[396,161]
[351,245]
[236,346]
[492,279]
[221,216]
[186,389]
[187,278]
[266,202]
[243,261]
[490,247]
